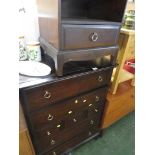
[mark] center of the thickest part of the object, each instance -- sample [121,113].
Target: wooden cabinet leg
[59,67]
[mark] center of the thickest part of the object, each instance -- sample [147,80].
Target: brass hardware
[52,142]
[100,79]
[97,98]
[84,101]
[58,126]
[50,117]
[76,101]
[96,110]
[48,133]
[70,112]
[47,95]
[94,37]
[54,153]
[90,105]
[91,122]
[90,133]
[74,120]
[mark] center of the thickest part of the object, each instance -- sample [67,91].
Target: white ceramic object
[31,68]
[22,49]
[33,50]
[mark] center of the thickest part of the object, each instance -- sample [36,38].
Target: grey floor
[118,139]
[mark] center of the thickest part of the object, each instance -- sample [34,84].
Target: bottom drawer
[75,142]
[53,140]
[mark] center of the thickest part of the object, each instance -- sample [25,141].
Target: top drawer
[89,36]
[37,97]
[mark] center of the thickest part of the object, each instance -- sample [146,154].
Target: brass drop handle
[100,79]
[84,101]
[90,105]
[76,101]
[96,110]
[70,112]
[58,126]
[47,95]
[74,120]
[50,117]
[52,142]
[48,133]
[91,122]
[54,153]
[94,37]
[97,98]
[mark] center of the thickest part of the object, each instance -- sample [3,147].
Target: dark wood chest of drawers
[64,112]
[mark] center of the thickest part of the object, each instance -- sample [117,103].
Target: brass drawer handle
[76,101]
[74,120]
[94,37]
[52,142]
[91,122]
[48,133]
[58,126]
[50,117]
[100,79]
[70,112]
[54,153]
[96,110]
[47,95]
[97,98]
[84,101]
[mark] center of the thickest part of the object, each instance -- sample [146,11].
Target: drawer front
[52,140]
[48,94]
[73,142]
[75,108]
[89,36]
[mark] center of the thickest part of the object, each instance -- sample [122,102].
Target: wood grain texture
[119,104]
[127,50]
[25,144]
[64,88]
[106,35]
[49,21]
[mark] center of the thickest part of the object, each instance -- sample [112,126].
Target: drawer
[49,131]
[74,142]
[51,141]
[89,36]
[47,94]
[74,108]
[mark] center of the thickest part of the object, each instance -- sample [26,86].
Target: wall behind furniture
[28,20]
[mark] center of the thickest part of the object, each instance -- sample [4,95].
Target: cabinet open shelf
[93,10]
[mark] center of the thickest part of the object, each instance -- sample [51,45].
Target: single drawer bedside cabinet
[79,30]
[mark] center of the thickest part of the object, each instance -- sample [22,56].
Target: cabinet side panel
[48,14]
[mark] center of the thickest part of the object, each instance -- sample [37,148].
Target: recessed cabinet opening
[102,10]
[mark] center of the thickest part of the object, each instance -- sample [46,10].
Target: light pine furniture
[25,144]
[127,51]
[120,104]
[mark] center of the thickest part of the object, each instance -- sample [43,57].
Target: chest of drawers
[62,113]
